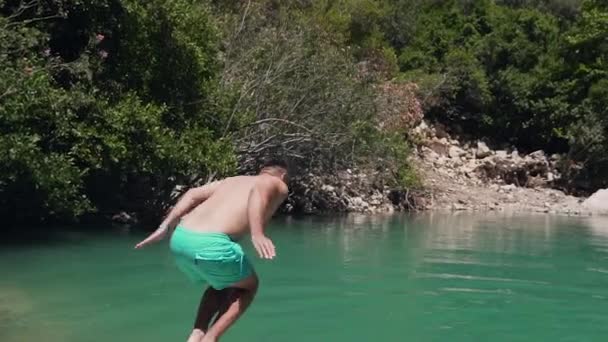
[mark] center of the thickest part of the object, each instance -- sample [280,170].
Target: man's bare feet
[196,336]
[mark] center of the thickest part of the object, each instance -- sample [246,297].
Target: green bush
[106,105]
[301,92]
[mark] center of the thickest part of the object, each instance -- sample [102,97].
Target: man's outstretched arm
[186,203]
[260,204]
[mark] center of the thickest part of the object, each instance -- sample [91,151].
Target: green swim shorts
[212,258]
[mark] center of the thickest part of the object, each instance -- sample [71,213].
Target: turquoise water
[403,278]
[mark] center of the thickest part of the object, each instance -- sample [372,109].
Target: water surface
[430,277]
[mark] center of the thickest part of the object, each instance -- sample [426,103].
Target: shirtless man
[208,221]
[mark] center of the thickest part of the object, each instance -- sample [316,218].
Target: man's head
[275,167]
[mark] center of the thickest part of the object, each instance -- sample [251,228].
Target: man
[213,217]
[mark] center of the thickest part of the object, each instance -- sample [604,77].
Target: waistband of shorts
[183,230]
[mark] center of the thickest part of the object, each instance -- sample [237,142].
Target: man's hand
[264,246]
[158,235]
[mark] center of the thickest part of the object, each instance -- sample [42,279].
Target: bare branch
[240,29]
[33,20]
[22,8]
[8,92]
[285,121]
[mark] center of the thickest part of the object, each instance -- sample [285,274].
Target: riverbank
[456,175]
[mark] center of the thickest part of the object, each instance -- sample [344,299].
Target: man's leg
[207,308]
[240,296]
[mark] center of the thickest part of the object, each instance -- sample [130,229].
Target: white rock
[508,187]
[456,152]
[598,202]
[421,129]
[328,188]
[457,206]
[537,155]
[429,154]
[501,154]
[482,150]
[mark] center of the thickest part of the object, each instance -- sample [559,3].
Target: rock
[538,155]
[482,150]
[598,202]
[456,152]
[439,147]
[458,206]
[508,187]
[328,188]
[550,177]
[440,161]
[124,218]
[429,154]
[555,157]
[421,129]
[501,154]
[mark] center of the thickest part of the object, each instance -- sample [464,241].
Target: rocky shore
[456,176]
[472,176]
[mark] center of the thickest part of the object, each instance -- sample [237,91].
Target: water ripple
[470,277]
[464,289]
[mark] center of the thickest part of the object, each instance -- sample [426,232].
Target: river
[426,277]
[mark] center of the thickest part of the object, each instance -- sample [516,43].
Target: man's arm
[259,202]
[186,203]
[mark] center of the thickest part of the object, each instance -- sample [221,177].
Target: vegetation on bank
[106,105]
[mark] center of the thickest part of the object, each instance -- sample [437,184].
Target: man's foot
[197,335]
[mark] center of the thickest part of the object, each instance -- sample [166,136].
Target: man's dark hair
[275,162]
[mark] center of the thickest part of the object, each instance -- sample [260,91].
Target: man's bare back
[226,209]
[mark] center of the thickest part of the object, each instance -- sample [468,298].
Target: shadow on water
[54,235]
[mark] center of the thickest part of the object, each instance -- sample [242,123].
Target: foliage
[88,125]
[524,72]
[587,73]
[303,96]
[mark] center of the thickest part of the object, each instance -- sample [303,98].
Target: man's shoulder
[272,182]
